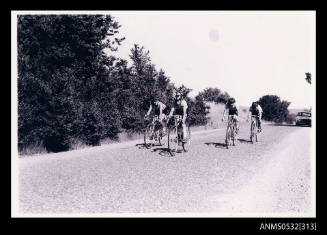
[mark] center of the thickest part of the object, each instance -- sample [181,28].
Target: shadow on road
[217,145]
[244,141]
[277,124]
[147,146]
[163,151]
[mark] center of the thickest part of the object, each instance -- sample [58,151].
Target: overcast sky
[248,54]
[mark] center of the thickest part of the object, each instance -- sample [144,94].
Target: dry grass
[33,149]
[78,144]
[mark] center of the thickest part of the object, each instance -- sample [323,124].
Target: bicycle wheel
[179,137]
[252,132]
[256,132]
[233,136]
[228,135]
[161,137]
[186,144]
[172,141]
[148,136]
[162,132]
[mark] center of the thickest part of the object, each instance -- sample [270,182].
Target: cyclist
[158,108]
[256,110]
[180,108]
[232,109]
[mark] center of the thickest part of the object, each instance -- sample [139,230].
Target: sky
[247,54]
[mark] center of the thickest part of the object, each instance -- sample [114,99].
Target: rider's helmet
[156,95]
[231,100]
[178,95]
[255,104]
[163,98]
[152,99]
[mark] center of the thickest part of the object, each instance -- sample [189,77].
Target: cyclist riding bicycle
[180,108]
[256,110]
[231,109]
[158,107]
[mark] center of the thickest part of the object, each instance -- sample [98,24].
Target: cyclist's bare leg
[152,128]
[164,129]
[237,130]
[184,128]
[259,124]
[226,137]
[237,126]
[184,132]
[152,133]
[164,121]
[251,126]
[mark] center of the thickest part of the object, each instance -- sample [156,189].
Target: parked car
[303,118]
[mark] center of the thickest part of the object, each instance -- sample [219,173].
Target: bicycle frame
[254,128]
[230,131]
[176,136]
[152,132]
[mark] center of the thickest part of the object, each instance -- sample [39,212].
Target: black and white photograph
[163,114]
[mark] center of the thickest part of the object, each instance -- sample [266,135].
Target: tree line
[70,89]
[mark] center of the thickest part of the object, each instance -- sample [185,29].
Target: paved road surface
[271,176]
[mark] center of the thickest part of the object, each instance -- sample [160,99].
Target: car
[303,118]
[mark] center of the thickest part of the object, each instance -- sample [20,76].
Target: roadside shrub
[274,109]
[214,95]
[197,111]
[62,68]
[56,143]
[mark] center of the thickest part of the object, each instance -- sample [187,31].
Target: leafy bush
[198,110]
[62,72]
[274,109]
[214,95]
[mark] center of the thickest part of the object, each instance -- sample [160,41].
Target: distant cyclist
[180,108]
[231,108]
[256,110]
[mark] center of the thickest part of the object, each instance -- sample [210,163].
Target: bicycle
[176,137]
[254,128]
[154,130]
[231,131]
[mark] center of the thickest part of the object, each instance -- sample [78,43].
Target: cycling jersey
[256,110]
[157,105]
[232,109]
[179,107]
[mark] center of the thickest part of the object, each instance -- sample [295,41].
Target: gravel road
[271,176]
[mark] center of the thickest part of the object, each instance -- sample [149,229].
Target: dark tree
[274,109]
[198,111]
[62,73]
[214,95]
[308,77]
